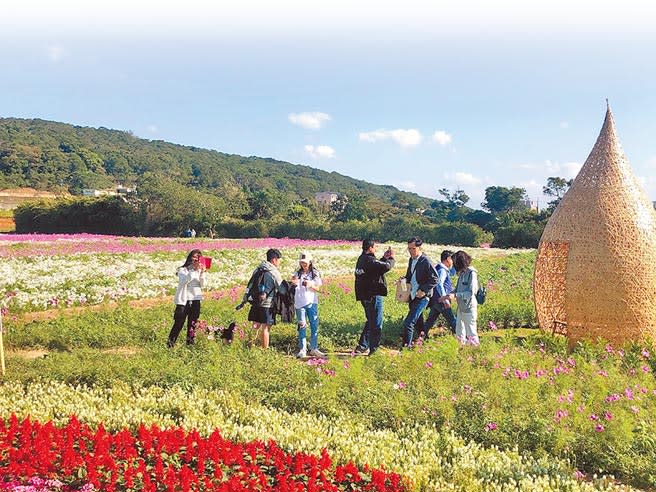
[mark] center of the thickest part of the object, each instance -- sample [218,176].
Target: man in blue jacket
[442,290]
[421,278]
[370,288]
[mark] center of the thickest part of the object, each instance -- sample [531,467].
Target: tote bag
[402,291]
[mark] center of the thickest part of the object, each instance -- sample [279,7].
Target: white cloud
[407,185]
[309,121]
[405,138]
[320,151]
[55,52]
[567,170]
[564,124]
[442,137]
[462,179]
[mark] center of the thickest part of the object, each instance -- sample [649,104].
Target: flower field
[113,409]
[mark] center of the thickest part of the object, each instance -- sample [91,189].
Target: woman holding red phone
[191,280]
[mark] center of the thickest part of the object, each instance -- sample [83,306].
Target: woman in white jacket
[191,279]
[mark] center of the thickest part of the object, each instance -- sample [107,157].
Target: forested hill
[56,156]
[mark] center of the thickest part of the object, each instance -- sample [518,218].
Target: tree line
[235,196]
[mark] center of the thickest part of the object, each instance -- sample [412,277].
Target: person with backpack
[191,281]
[465,294]
[264,284]
[440,303]
[307,280]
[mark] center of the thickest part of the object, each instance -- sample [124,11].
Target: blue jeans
[436,309]
[373,326]
[414,319]
[311,313]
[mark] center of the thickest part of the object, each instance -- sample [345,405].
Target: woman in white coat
[191,279]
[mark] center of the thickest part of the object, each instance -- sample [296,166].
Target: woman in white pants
[465,294]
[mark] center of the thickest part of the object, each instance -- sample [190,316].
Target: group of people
[429,284]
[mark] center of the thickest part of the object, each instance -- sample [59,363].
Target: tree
[457,198]
[556,187]
[499,199]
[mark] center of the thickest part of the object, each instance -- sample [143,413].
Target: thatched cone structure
[595,274]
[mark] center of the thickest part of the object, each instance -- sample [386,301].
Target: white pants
[466,328]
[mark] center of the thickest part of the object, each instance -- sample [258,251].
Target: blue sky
[464,94]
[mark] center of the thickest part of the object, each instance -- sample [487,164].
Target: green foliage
[511,392]
[50,155]
[501,199]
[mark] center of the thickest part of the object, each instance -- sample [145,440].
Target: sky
[420,95]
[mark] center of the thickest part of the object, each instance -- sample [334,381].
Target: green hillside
[53,156]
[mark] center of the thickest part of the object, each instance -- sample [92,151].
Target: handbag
[402,291]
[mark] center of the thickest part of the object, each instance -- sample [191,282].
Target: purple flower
[600,428]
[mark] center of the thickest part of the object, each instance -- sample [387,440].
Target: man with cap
[307,280]
[370,288]
[440,303]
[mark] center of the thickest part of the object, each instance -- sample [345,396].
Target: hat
[305,257]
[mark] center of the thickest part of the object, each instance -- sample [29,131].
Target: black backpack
[481,293]
[257,292]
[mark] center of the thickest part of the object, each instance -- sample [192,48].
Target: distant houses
[326,198]
[119,190]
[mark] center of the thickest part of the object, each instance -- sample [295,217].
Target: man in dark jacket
[370,288]
[421,278]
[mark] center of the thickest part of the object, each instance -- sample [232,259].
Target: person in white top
[307,280]
[191,279]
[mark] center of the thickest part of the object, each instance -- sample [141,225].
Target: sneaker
[317,353]
[359,350]
[301,354]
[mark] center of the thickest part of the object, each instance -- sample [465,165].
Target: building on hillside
[119,190]
[326,198]
[530,204]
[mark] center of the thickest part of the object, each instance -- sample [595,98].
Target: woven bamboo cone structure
[595,273]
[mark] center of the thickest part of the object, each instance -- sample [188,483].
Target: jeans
[311,312]
[373,326]
[435,310]
[414,318]
[189,312]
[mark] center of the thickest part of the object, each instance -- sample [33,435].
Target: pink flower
[571,362]
[613,397]
[560,414]
[609,348]
[400,385]
[608,415]
[634,409]
[346,365]
[492,325]
[521,374]
[645,353]
[600,428]
[628,392]
[539,373]
[490,426]
[603,373]
[646,369]
[594,417]
[428,365]
[579,475]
